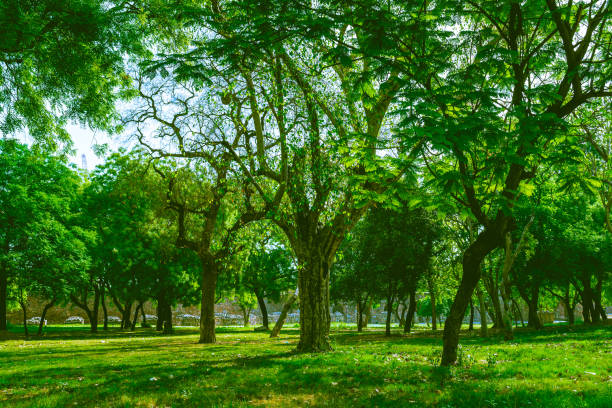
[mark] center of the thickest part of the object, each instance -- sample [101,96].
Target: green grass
[69,367]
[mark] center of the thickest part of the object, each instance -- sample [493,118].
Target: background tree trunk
[389,312]
[3,299]
[411,310]
[281,319]
[263,309]
[483,313]
[104,309]
[432,296]
[359,316]
[43,315]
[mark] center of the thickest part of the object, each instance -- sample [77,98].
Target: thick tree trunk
[144,317]
[283,316]
[207,310]
[263,309]
[313,292]
[472,258]
[3,299]
[159,325]
[246,314]
[167,312]
[519,313]
[533,320]
[389,312]
[43,315]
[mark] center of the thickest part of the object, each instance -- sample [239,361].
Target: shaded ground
[69,367]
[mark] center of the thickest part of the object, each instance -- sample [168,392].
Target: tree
[41,244]
[515,123]
[63,60]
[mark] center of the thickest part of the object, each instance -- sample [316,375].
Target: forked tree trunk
[207,310]
[283,316]
[135,319]
[313,287]
[3,299]
[472,258]
[263,309]
[43,315]
[432,296]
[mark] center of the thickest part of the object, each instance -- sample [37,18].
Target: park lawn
[69,367]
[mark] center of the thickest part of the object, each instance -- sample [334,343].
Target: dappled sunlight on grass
[554,368]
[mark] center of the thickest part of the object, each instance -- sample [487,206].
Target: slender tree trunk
[144,317]
[471,326]
[283,316]
[44,314]
[135,319]
[263,309]
[246,314]
[104,309]
[483,313]
[359,316]
[207,311]
[519,313]
[472,258]
[25,316]
[411,310]
[93,320]
[432,296]
[313,292]
[389,312]
[3,298]
[367,313]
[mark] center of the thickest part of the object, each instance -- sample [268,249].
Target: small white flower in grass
[153,379]
[334,383]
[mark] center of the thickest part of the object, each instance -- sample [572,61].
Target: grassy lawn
[69,367]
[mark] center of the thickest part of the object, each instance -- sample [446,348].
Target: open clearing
[70,367]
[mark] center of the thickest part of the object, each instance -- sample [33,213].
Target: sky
[84,140]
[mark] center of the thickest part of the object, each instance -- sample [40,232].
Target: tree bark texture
[207,311]
[472,259]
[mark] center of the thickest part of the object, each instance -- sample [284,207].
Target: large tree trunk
[283,316]
[43,315]
[159,325]
[23,304]
[263,309]
[313,287]
[207,311]
[3,299]
[472,258]
[167,313]
[367,314]
[93,319]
